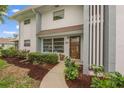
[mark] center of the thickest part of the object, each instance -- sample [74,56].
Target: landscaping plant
[36,57]
[10,52]
[108,80]
[10,81]
[71,69]
[3,64]
[97,70]
[50,58]
[22,54]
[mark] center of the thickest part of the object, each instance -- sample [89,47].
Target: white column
[98,47]
[90,32]
[94,36]
[86,40]
[101,37]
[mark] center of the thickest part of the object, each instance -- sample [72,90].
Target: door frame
[78,46]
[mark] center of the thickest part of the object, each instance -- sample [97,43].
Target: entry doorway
[75,47]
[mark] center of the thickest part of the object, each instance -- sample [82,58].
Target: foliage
[3,12]
[36,57]
[50,58]
[10,81]
[71,69]
[22,54]
[10,52]
[6,81]
[109,80]
[97,69]
[3,64]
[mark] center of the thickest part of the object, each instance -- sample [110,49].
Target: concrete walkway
[55,78]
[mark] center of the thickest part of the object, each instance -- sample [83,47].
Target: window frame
[27,44]
[54,13]
[45,42]
[52,45]
[28,21]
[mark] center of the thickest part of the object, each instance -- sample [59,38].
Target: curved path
[55,78]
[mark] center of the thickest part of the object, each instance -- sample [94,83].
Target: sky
[10,27]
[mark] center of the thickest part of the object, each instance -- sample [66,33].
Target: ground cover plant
[36,57]
[100,79]
[3,64]
[71,69]
[19,68]
[107,80]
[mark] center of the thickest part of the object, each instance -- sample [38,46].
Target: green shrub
[71,69]
[22,54]
[10,52]
[114,81]
[97,69]
[108,80]
[50,58]
[36,57]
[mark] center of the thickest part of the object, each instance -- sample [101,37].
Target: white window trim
[25,20]
[52,45]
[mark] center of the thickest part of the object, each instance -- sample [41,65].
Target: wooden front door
[75,47]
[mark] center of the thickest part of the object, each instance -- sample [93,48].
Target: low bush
[10,52]
[50,58]
[36,57]
[71,69]
[22,54]
[108,80]
[97,70]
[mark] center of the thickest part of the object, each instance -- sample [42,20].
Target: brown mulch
[83,81]
[36,72]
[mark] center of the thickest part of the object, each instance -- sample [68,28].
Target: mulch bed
[37,71]
[83,81]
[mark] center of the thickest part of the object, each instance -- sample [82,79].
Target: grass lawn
[15,77]
[3,64]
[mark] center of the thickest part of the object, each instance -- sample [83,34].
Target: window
[58,45]
[53,45]
[58,15]
[26,42]
[47,45]
[27,21]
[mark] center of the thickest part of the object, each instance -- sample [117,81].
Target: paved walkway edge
[55,78]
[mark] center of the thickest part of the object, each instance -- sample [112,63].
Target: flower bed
[38,64]
[100,79]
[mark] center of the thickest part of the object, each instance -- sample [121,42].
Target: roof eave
[23,11]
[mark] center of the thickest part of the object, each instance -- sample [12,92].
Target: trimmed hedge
[10,52]
[36,57]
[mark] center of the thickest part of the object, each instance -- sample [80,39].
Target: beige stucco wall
[73,16]
[120,39]
[28,32]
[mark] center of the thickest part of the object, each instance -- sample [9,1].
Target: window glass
[27,21]
[58,45]
[47,45]
[26,42]
[58,15]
